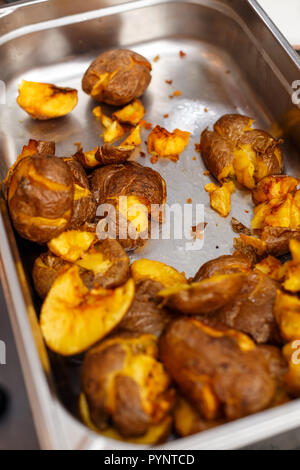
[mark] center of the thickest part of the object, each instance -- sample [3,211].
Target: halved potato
[156,434]
[157,271]
[45,100]
[203,297]
[167,144]
[71,245]
[73,317]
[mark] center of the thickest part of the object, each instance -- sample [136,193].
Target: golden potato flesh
[252,247]
[46,101]
[71,245]
[234,149]
[272,267]
[220,371]
[134,138]
[124,383]
[156,434]
[167,144]
[117,77]
[273,187]
[279,212]
[220,197]
[156,271]
[40,197]
[132,114]
[203,297]
[73,317]
[287,313]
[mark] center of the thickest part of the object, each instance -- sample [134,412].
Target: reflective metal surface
[236,61]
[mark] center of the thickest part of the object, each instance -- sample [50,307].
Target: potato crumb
[166,116]
[169,82]
[154,159]
[197,148]
[206,172]
[194,158]
[182,54]
[142,154]
[205,110]
[145,124]
[156,58]
[189,200]
[177,93]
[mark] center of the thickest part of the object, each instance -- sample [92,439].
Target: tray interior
[212,83]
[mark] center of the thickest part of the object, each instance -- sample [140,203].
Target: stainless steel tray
[236,61]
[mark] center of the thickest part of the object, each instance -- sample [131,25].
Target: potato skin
[226,264]
[206,296]
[217,153]
[41,204]
[277,239]
[84,208]
[132,77]
[233,126]
[251,310]
[239,378]
[128,179]
[46,268]
[145,315]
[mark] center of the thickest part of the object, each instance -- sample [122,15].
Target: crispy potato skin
[206,296]
[217,154]
[277,239]
[128,179]
[84,206]
[46,268]
[233,126]
[239,377]
[251,310]
[114,390]
[118,271]
[251,247]
[226,264]
[109,154]
[145,314]
[40,197]
[131,75]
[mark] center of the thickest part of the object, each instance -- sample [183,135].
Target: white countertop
[286,16]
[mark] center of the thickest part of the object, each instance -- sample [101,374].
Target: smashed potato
[157,272]
[46,101]
[117,77]
[146,315]
[234,149]
[220,371]
[156,434]
[84,206]
[40,197]
[73,317]
[163,143]
[46,268]
[124,383]
[220,197]
[203,297]
[132,114]
[104,155]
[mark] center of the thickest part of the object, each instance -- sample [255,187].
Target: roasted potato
[125,384]
[252,309]
[252,247]
[163,143]
[188,420]
[46,101]
[84,206]
[132,114]
[73,317]
[203,297]
[156,271]
[156,434]
[141,187]
[279,212]
[46,268]
[33,147]
[72,244]
[273,187]
[278,367]
[220,197]
[226,264]
[146,315]
[104,155]
[287,313]
[234,149]
[219,371]
[117,77]
[277,239]
[40,197]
